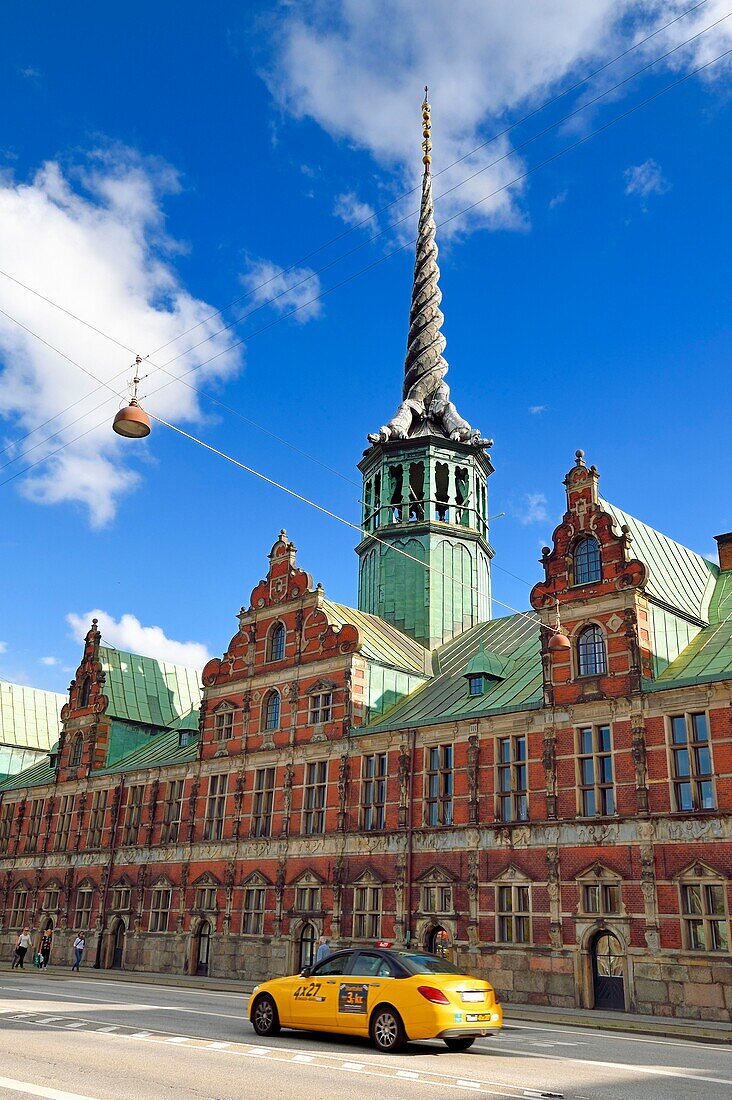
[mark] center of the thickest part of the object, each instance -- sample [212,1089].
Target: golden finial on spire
[426,128]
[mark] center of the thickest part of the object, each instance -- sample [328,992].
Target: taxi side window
[371,966]
[335,965]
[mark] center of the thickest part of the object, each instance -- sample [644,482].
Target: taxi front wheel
[265,1018]
[387,1030]
[460,1044]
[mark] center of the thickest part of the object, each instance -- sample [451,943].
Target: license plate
[477,1017]
[473,995]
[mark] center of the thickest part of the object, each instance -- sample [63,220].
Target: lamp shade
[558,641]
[132,422]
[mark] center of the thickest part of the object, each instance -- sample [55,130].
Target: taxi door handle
[331,981]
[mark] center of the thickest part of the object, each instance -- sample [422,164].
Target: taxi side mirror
[305,972]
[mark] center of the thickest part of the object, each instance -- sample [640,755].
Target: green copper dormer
[425,555]
[483,670]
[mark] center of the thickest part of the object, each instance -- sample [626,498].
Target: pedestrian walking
[323,949]
[21,947]
[44,948]
[79,945]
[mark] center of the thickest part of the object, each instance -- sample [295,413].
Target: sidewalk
[699,1030]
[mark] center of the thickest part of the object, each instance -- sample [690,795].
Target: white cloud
[130,634]
[532,509]
[285,290]
[93,239]
[30,72]
[351,210]
[536,410]
[3,647]
[358,68]
[558,199]
[48,660]
[645,179]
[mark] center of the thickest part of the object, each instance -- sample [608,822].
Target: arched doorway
[438,941]
[607,972]
[118,948]
[306,946]
[203,943]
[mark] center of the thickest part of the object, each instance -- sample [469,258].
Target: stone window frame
[585,567]
[161,895]
[215,814]
[715,924]
[85,691]
[515,796]
[373,791]
[84,905]
[440,885]
[63,823]
[35,821]
[598,652]
[121,897]
[439,784]
[320,707]
[51,896]
[133,814]
[315,797]
[19,906]
[308,889]
[7,814]
[172,811]
[265,783]
[224,721]
[206,898]
[367,907]
[608,884]
[691,746]
[599,788]
[519,886]
[97,816]
[77,751]
[276,642]
[271,711]
[254,905]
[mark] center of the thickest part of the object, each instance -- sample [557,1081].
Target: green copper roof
[677,576]
[486,664]
[29,718]
[709,655]
[38,775]
[381,640]
[142,689]
[514,639]
[163,749]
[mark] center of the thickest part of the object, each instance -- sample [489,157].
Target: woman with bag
[44,948]
[21,947]
[79,945]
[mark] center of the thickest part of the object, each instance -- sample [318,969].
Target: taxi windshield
[427,964]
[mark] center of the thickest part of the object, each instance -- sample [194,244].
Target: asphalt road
[75,1038]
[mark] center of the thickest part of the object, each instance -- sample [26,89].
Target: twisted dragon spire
[426,395]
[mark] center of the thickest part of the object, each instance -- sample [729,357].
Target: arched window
[307,946]
[85,692]
[76,750]
[591,660]
[271,712]
[587,562]
[276,643]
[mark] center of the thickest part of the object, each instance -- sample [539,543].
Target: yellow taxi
[391,996]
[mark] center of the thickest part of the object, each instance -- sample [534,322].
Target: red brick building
[546,795]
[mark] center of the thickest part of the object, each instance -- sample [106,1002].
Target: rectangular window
[439,785]
[213,825]
[159,908]
[133,814]
[206,898]
[172,812]
[321,708]
[120,898]
[20,902]
[82,917]
[224,724]
[63,826]
[513,802]
[307,899]
[35,819]
[691,758]
[514,914]
[601,897]
[253,919]
[367,913]
[437,899]
[264,785]
[316,780]
[96,819]
[6,824]
[595,767]
[50,899]
[373,791]
[705,917]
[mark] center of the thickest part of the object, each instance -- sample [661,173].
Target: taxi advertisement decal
[309,992]
[352,998]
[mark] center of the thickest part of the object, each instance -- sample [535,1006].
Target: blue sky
[159,161]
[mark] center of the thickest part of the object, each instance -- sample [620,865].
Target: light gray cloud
[536,410]
[351,210]
[50,661]
[645,179]
[532,509]
[290,291]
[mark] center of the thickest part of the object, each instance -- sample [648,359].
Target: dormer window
[76,751]
[483,670]
[276,643]
[591,657]
[85,692]
[476,685]
[587,562]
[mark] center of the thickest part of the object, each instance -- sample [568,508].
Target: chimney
[724,546]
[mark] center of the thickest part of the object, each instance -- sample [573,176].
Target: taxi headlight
[495,1016]
[255,990]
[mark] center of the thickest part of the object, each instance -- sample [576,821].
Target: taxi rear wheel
[387,1029]
[265,1018]
[460,1044]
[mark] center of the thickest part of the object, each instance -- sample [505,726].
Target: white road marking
[355,1066]
[218,1046]
[140,1035]
[468,1084]
[81,1023]
[178,1039]
[304,1058]
[109,1029]
[408,1074]
[665,1071]
[612,1033]
[39,1090]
